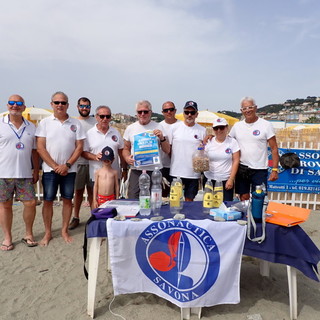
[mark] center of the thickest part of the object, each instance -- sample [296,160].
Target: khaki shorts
[83,177]
[23,189]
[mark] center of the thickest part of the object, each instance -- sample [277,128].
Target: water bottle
[175,196]
[156,191]
[208,197]
[144,195]
[257,203]
[180,189]
[217,194]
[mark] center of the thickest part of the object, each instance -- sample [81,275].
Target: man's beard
[84,114]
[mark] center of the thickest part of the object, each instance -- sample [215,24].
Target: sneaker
[74,223]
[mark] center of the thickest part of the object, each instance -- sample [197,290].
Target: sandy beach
[48,283]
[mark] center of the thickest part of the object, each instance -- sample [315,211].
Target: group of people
[88,153]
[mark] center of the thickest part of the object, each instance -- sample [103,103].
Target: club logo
[228,151]
[182,259]
[256,132]
[73,128]
[114,138]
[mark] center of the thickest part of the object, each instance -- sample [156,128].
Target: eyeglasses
[247,108]
[60,102]
[143,111]
[169,109]
[219,128]
[18,103]
[84,106]
[193,112]
[102,116]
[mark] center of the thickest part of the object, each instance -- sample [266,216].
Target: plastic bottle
[257,203]
[144,195]
[175,196]
[180,189]
[208,197]
[217,194]
[156,191]
[200,160]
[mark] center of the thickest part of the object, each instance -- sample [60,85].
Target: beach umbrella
[205,118]
[33,114]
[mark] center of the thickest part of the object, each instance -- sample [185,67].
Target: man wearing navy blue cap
[185,138]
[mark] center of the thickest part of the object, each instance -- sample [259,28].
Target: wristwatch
[163,140]
[68,165]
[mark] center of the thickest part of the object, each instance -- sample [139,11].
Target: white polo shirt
[253,141]
[220,158]
[96,141]
[166,159]
[61,139]
[137,128]
[15,152]
[185,141]
[86,124]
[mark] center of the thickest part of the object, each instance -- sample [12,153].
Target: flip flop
[5,247]
[29,243]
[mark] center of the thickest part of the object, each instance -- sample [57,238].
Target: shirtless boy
[106,183]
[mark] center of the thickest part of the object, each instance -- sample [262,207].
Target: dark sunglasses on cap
[102,116]
[84,106]
[218,128]
[168,109]
[143,111]
[193,112]
[60,102]
[18,103]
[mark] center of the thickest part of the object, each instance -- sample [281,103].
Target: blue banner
[305,179]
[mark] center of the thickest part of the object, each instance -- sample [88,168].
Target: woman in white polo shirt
[224,157]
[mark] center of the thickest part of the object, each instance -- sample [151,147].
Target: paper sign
[146,149]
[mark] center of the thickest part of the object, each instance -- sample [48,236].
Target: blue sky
[118,52]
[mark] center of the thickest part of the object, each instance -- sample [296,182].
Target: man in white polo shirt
[17,148]
[185,138]
[82,177]
[100,136]
[144,124]
[59,143]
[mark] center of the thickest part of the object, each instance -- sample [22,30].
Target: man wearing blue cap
[185,137]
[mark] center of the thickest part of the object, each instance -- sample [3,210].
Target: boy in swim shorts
[106,182]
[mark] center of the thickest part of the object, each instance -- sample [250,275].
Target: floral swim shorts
[22,188]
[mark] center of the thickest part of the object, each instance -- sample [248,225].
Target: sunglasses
[143,111]
[169,109]
[102,116]
[218,128]
[59,102]
[84,106]
[186,112]
[18,103]
[247,108]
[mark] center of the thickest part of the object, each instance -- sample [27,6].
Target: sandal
[5,247]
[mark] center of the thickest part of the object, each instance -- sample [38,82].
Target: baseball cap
[219,122]
[191,104]
[107,154]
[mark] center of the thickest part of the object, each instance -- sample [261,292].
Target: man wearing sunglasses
[17,149]
[144,124]
[185,137]
[82,176]
[254,134]
[59,144]
[169,113]
[100,136]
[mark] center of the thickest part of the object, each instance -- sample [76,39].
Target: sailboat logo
[182,259]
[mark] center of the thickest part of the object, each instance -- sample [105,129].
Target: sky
[118,52]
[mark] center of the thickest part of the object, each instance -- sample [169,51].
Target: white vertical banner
[192,263]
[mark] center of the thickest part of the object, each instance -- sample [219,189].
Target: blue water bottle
[257,203]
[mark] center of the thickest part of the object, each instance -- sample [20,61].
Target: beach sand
[48,283]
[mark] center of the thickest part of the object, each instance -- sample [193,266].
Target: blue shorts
[51,181]
[248,184]
[190,187]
